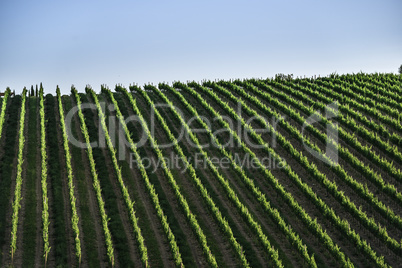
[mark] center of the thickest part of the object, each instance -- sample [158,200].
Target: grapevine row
[45,199]
[74,214]
[385,82]
[151,189]
[344,152]
[322,178]
[3,110]
[203,191]
[346,105]
[369,109]
[393,99]
[273,213]
[312,224]
[329,212]
[18,181]
[182,200]
[350,91]
[125,193]
[347,137]
[392,151]
[395,137]
[333,187]
[348,121]
[96,184]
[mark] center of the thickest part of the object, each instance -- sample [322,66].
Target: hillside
[280,172]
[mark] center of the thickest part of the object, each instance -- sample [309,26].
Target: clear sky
[60,42]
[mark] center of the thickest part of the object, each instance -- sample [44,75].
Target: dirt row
[6,255]
[126,249]
[305,175]
[193,197]
[362,140]
[386,199]
[247,197]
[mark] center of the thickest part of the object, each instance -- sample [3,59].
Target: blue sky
[92,42]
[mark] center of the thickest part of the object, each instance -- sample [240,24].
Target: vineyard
[279,172]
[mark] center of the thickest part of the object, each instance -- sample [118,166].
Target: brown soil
[151,216]
[283,178]
[384,197]
[333,203]
[192,241]
[66,196]
[6,247]
[128,229]
[152,219]
[81,234]
[92,201]
[18,254]
[276,201]
[39,260]
[193,197]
